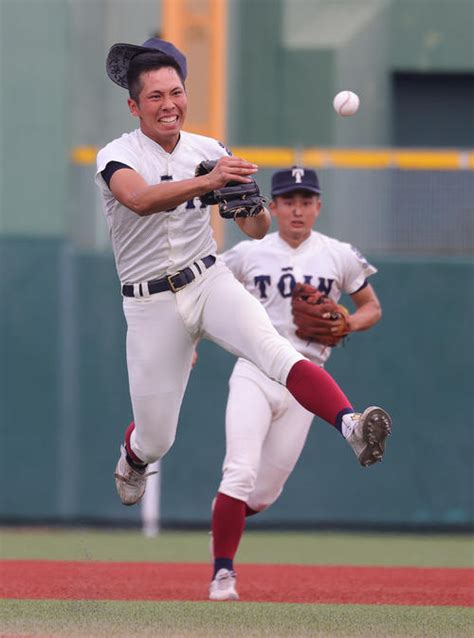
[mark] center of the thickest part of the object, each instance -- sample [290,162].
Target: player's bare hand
[230,169]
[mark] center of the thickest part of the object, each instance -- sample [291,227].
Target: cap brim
[295,187]
[119,58]
[118,61]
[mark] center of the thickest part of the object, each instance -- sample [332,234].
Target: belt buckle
[169,279]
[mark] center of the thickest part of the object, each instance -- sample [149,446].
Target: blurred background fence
[398,182]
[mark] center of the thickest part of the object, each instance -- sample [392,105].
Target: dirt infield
[94,580]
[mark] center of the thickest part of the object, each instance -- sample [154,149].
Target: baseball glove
[235,199]
[317,317]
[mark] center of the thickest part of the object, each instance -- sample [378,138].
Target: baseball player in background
[266,433]
[174,290]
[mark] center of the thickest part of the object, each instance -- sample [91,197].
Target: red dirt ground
[93,580]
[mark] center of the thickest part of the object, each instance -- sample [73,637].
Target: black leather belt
[170,282]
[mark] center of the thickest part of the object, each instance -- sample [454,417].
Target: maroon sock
[249,511]
[128,447]
[228,522]
[317,391]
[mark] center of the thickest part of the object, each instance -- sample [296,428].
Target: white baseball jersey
[147,248]
[269,269]
[162,329]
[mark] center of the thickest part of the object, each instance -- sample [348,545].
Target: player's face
[295,213]
[161,107]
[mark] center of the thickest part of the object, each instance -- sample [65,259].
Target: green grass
[239,620]
[257,547]
[97,619]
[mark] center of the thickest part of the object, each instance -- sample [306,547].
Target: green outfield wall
[315,48]
[63,384]
[65,402]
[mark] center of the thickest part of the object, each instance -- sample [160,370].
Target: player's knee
[239,481]
[262,501]
[154,449]
[259,506]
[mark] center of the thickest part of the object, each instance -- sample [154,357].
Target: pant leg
[237,321]
[159,353]
[248,419]
[280,452]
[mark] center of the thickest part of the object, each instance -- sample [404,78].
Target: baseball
[346,103]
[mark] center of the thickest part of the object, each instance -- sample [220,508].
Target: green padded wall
[65,402]
[422,376]
[34,116]
[432,35]
[63,382]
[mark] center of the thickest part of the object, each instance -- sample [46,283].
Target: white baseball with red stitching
[346,103]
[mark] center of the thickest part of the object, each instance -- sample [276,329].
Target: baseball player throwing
[266,433]
[174,290]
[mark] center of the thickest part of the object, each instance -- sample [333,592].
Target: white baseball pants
[266,429]
[161,335]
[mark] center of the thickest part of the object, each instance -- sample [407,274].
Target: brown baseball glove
[317,317]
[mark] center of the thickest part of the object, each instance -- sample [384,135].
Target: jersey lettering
[261,282]
[167,178]
[325,285]
[286,284]
[191,204]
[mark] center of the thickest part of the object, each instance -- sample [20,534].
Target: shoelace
[135,477]
[228,576]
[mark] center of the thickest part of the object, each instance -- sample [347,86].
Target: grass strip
[330,548]
[97,619]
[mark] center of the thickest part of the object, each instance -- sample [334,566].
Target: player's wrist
[350,324]
[204,185]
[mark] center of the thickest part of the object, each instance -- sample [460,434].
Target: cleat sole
[376,428]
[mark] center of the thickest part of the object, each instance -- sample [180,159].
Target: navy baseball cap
[120,55]
[293,179]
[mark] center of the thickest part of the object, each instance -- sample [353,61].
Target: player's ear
[271,207]
[133,106]
[318,206]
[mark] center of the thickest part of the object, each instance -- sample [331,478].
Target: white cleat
[130,483]
[223,586]
[366,433]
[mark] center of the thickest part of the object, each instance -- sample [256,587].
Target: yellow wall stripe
[84,155]
[266,156]
[441,160]
[359,158]
[276,157]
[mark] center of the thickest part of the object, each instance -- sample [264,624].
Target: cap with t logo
[293,179]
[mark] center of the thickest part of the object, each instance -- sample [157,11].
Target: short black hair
[148,62]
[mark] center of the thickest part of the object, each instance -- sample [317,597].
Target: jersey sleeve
[356,269]
[215,150]
[115,152]
[110,169]
[234,259]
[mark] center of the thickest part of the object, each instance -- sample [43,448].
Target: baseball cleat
[366,433]
[223,586]
[130,483]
